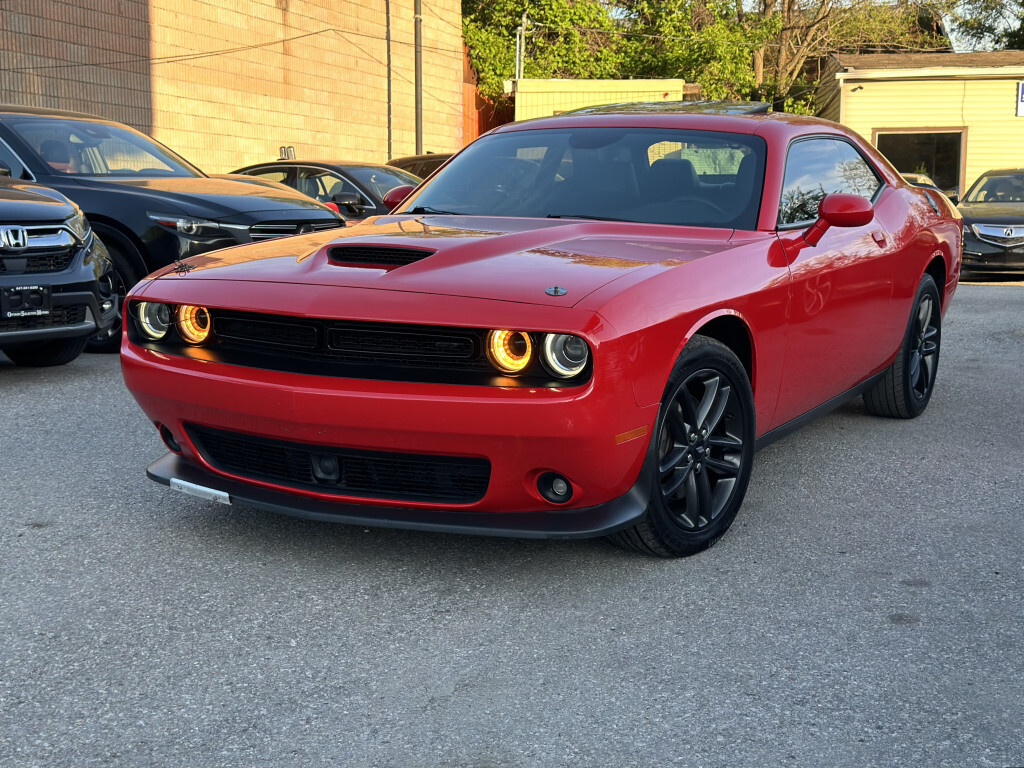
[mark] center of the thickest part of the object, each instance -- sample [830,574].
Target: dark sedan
[356,190]
[147,205]
[993,211]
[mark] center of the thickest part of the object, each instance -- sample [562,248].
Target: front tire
[124,277]
[57,352]
[905,389]
[703,445]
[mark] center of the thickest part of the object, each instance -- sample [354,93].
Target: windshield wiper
[428,209]
[583,216]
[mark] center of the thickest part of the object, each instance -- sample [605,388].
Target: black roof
[21,109]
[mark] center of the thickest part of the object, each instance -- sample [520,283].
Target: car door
[841,288]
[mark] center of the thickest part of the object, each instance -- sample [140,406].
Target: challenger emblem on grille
[14,238]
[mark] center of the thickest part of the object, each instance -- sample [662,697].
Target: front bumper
[77,306]
[605,519]
[982,257]
[594,436]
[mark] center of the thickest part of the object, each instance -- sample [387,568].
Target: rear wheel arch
[937,269]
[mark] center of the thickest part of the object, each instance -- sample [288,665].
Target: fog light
[325,467]
[168,438]
[554,488]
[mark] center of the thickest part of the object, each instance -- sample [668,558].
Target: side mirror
[5,171]
[396,196]
[350,201]
[954,198]
[839,210]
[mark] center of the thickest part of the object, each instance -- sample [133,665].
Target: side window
[323,185]
[857,175]
[12,161]
[279,175]
[818,167]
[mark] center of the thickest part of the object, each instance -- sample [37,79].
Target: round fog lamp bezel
[145,322]
[551,361]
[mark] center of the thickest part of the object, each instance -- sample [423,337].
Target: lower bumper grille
[55,260]
[345,471]
[60,316]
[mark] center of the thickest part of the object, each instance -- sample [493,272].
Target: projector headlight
[153,319]
[564,355]
[509,351]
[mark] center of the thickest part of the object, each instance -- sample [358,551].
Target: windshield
[380,180]
[997,188]
[663,176]
[85,148]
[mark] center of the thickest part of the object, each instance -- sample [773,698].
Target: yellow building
[543,98]
[227,84]
[951,116]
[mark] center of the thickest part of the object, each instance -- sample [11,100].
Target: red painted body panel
[809,322]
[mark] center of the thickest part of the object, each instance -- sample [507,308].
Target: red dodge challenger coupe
[583,326]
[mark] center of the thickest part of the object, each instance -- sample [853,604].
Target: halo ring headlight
[565,355]
[509,351]
[154,319]
[193,322]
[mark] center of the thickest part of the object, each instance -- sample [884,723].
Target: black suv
[148,206]
[56,284]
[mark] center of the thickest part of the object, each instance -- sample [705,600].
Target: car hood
[992,213]
[24,203]
[207,197]
[551,262]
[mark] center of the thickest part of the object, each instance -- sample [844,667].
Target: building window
[937,155]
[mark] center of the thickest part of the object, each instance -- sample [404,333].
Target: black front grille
[345,471]
[56,260]
[376,255]
[348,343]
[58,317]
[268,230]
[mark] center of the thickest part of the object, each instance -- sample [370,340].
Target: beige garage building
[949,115]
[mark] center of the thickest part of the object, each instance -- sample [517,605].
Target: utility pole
[418,17]
[521,46]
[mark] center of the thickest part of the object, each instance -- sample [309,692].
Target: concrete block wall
[227,84]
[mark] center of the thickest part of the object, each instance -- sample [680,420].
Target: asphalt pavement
[866,609]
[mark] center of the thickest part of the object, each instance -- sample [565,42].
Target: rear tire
[905,389]
[703,450]
[57,352]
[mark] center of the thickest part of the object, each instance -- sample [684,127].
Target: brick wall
[226,84]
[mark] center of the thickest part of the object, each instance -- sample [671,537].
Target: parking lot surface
[865,609]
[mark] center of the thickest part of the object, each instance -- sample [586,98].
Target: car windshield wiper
[583,216]
[428,209]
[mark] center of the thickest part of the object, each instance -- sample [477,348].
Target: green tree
[564,38]
[990,23]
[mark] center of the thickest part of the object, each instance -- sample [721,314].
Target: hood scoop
[380,256]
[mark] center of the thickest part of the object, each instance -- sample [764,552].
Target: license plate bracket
[25,301]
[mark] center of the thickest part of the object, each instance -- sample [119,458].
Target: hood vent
[377,255]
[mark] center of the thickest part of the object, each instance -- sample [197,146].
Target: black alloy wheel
[703,450]
[905,389]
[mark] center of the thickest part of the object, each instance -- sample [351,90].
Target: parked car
[356,190]
[922,180]
[421,165]
[583,325]
[148,205]
[993,211]
[56,282]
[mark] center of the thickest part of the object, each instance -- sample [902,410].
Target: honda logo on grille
[14,238]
